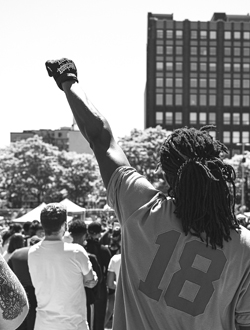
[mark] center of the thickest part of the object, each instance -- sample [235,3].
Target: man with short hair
[59,271]
[185,260]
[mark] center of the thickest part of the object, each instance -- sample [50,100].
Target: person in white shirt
[59,271]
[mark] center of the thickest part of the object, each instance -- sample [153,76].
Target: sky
[106,39]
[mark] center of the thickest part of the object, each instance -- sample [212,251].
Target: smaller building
[64,138]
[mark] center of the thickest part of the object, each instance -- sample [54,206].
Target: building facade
[64,138]
[198,73]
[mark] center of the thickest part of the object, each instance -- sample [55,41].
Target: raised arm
[93,126]
[13,299]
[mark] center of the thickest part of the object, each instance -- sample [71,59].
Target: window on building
[159,82]
[236,118]
[169,118]
[203,99]
[245,137]
[203,51]
[169,82]
[203,83]
[169,34]
[203,118]
[245,101]
[236,35]
[159,50]
[227,67]
[212,34]
[236,67]
[212,100]
[226,118]
[178,66]
[245,118]
[236,137]
[212,83]
[178,99]
[169,50]
[236,51]
[246,67]
[178,82]
[212,67]
[169,99]
[227,83]
[178,50]
[246,35]
[246,83]
[203,67]
[159,99]
[178,118]
[227,100]
[159,118]
[226,137]
[169,66]
[212,51]
[159,66]
[227,51]
[193,118]
[212,118]
[193,82]
[193,50]
[193,66]
[203,34]
[236,100]
[179,34]
[193,99]
[159,34]
[246,51]
[236,83]
[194,34]
[227,35]
[213,134]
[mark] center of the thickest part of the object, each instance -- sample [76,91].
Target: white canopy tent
[73,209]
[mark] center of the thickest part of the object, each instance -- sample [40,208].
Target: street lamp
[243,144]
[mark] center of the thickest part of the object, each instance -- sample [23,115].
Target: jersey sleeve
[243,305]
[128,191]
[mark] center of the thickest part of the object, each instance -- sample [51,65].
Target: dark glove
[62,70]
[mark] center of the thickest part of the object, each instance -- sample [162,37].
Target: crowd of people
[101,239]
[180,261]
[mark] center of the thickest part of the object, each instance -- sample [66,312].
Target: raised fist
[62,70]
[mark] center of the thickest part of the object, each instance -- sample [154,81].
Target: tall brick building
[198,73]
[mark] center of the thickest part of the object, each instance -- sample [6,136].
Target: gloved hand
[62,70]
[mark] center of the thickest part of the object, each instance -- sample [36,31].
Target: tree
[80,173]
[142,148]
[30,168]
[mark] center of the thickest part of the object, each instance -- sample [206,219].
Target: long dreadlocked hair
[199,183]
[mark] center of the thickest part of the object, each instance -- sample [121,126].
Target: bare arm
[111,280]
[96,130]
[91,279]
[13,299]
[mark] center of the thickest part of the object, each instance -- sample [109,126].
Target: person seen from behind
[185,260]
[59,271]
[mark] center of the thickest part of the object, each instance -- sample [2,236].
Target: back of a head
[199,183]
[53,216]
[94,228]
[77,228]
[16,242]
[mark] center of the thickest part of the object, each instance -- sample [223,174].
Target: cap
[95,227]
[116,232]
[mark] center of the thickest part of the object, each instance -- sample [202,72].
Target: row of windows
[203,51]
[194,118]
[203,100]
[235,118]
[228,67]
[203,83]
[235,137]
[203,34]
